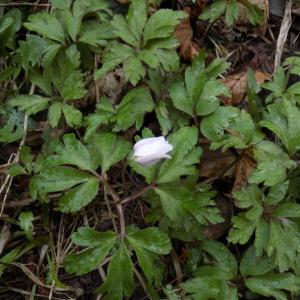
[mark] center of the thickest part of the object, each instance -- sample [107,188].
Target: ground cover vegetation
[215,217]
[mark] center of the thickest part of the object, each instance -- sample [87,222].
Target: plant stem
[137,195]
[119,207]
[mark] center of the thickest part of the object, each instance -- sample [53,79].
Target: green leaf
[230,127]
[253,265]
[232,12]
[122,30]
[184,155]
[277,193]
[283,119]
[73,86]
[214,11]
[172,199]
[133,70]
[115,54]
[137,16]
[293,62]
[119,282]
[56,179]
[12,129]
[161,24]
[86,261]
[283,245]
[107,149]
[271,285]
[102,116]
[86,236]
[61,4]
[30,104]
[14,254]
[46,25]
[224,258]
[70,152]
[54,113]
[200,91]
[288,210]
[162,113]
[148,172]
[272,164]
[147,243]
[95,34]
[244,224]
[277,85]
[211,283]
[25,219]
[79,196]
[72,114]
[208,101]
[253,12]
[132,108]
[151,238]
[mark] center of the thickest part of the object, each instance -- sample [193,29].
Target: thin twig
[284,30]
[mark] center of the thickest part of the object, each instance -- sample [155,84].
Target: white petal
[148,141]
[150,150]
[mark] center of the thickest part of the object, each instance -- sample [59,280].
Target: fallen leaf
[237,84]
[184,34]
[216,164]
[243,168]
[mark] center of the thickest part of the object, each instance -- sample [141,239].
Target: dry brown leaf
[216,163]
[237,84]
[243,169]
[184,34]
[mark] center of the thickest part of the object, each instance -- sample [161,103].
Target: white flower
[150,150]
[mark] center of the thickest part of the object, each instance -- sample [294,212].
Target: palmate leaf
[10,24]
[272,164]
[147,41]
[277,236]
[231,10]
[103,115]
[230,127]
[81,187]
[183,209]
[161,24]
[132,108]
[212,282]
[107,149]
[12,127]
[274,285]
[119,280]
[95,34]
[30,104]
[147,243]
[70,152]
[283,119]
[198,94]
[99,243]
[183,157]
[47,25]
[253,265]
